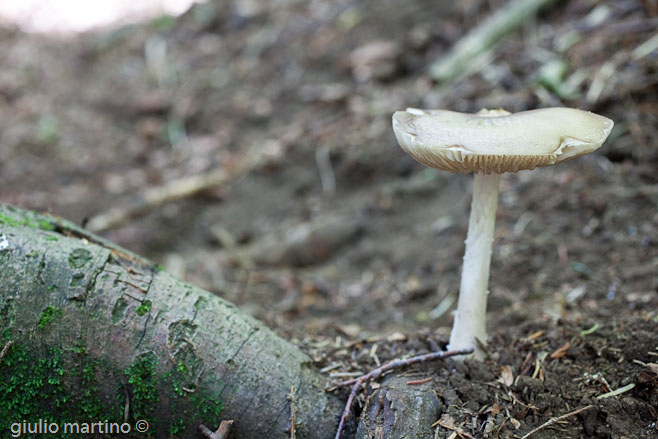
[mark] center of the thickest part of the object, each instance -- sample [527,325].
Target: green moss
[25,383]
[4,219]
[119,309]
[47,316]
[200,303]
[142,380]
[76,280]
[61,385]
[51,238]
[40,223]
[177,380]
[79,258]
[46,225]
[207,408]
[204,406]
[188,402]
[177,428]
[51,387]
[144,307]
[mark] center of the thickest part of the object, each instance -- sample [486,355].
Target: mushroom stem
[470,319]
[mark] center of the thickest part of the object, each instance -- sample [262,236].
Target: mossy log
[103,336]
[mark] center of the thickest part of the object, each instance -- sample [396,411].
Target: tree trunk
[102,335]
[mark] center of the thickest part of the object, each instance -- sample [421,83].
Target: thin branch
[221,433]
[418,382]
[395,364]
[327,176]
[467,51]
[189,186]
[184,187]
[616,392]
[157,196]
[5,349]
[376,373]
[556,420]
[348,408]
[292,399]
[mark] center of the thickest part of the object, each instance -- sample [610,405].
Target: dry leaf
[447,421]
[494,409]
[533,336]
[562,351]
[506,376]
[396,336]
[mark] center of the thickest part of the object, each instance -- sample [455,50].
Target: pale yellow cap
[496,141]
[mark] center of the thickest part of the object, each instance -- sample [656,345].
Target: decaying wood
[115,308]
[356,383]
[466,52]
[398,410]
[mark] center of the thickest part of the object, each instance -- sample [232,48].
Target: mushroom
[489,143]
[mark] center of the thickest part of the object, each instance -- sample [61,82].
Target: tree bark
[399,410]
[119,339]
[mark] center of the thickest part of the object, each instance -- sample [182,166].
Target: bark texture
[150,345]
[397,410]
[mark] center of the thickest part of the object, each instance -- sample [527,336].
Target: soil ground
[337,239]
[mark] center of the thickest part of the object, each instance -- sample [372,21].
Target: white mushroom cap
[496,141]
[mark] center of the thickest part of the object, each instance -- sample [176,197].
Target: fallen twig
[174,190]
[157,196]
[618,391]
[5,349]
[402,362]
[556,420]
[327,177]
[418,382]
[467,50]
[221,433]
[291,398]
[348,408]
[195,184]
[376,373]
[601,80]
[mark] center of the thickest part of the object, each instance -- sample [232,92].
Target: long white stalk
[470,319]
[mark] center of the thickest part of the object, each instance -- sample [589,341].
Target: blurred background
[70,16]
[246,146]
